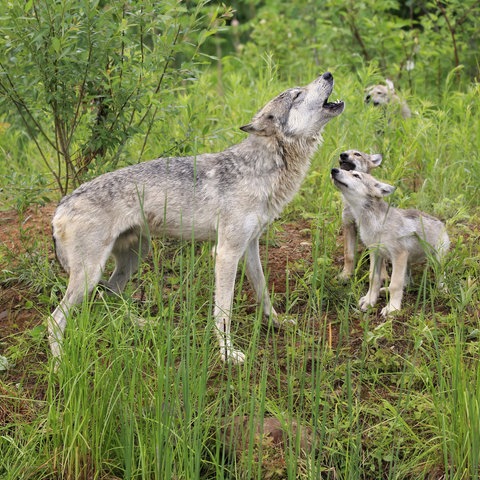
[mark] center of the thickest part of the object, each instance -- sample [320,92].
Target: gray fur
[228,197]
[391,234]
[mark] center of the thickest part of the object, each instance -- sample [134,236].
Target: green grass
[396,399]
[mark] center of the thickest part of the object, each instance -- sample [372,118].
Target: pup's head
[380,94]
[299,112]
[357,187]
[359,161]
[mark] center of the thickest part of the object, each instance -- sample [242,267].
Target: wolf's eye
[296,95]
[356,175]
[357,154]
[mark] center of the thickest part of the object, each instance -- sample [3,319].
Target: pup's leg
[257,280]
[397,283]
[440,255]
[369,300]
[226,263]
[128,256]
[384,274]
[349,244]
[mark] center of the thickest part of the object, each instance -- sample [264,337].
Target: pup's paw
[366,302]
[236,357]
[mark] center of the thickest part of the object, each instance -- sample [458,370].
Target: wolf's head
[299,112]
[359,161]
[358,187]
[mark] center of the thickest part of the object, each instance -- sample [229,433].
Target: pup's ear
[384,189]
[390,85]
[376,159]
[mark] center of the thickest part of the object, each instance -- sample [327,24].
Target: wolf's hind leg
[256,278]
[83,279]
[128,253]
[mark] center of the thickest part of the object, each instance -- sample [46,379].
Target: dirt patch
[19,232]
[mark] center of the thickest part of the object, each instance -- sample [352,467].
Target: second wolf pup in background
[360,162]
[382,95]
[399,236]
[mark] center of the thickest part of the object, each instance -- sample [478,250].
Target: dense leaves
[83,77]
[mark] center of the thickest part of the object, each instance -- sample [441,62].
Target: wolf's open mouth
[332,105]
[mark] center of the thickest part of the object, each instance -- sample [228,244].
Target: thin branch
[356,33]
[15,98]
[451,29]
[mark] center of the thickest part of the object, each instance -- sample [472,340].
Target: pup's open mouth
[346,165]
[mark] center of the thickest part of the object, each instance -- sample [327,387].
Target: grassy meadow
[378,399]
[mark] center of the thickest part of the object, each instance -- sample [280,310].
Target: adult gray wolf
[229,197]
[391,234]
[360,162]
[385,94]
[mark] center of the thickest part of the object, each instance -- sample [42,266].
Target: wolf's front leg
[226,262]
[397,283]
[370,299]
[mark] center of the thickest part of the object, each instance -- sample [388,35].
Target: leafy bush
[84,77]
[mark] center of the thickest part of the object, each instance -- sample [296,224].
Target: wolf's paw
[388,310]
[366,302]
[142,322]
[278,321]
[283,321]
[236,357]
[344,276]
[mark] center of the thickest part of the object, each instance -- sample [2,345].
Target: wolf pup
[360,162]
[385,94]
[392,234]
[229,197]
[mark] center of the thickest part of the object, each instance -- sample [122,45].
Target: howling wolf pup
[360,162]
[398,236]
[385,94]
[228,197]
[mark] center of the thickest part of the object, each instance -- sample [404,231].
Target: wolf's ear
[260,126]
[384,189]
[376,159]
[249,128]
[390,85]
